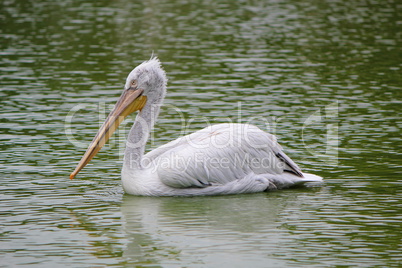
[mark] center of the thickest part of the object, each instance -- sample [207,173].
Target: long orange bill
[130,101]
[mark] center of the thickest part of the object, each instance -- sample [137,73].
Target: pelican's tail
[308,177]
[286,180]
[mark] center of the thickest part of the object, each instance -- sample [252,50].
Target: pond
[323,76]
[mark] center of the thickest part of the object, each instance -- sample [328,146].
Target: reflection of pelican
[220,159]
[190,231]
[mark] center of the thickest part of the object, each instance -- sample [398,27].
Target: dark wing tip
[293,168]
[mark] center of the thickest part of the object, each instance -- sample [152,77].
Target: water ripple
[275,63]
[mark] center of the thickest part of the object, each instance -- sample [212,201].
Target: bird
[226,158]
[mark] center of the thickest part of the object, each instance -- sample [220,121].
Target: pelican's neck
[139,134]
[150,77]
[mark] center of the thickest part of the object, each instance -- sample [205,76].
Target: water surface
[325,77]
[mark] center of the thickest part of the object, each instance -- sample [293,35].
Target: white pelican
[219,159]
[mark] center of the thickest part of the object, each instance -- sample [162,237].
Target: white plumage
[219,159]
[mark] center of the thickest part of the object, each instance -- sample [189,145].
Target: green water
[324,76]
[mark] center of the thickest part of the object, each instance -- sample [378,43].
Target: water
[319,75]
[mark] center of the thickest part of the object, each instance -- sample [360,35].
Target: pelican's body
[219,159]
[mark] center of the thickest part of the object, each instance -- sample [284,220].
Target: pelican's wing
[218,155]
[291,166]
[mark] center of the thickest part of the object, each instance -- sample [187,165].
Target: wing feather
[218,155]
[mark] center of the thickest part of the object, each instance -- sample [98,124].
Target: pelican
[220,159]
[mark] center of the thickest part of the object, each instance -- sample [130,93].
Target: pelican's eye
[134,83]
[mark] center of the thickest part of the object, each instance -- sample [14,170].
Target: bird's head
[148,76]
[145,85]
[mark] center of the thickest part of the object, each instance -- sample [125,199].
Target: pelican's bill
[130,101]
